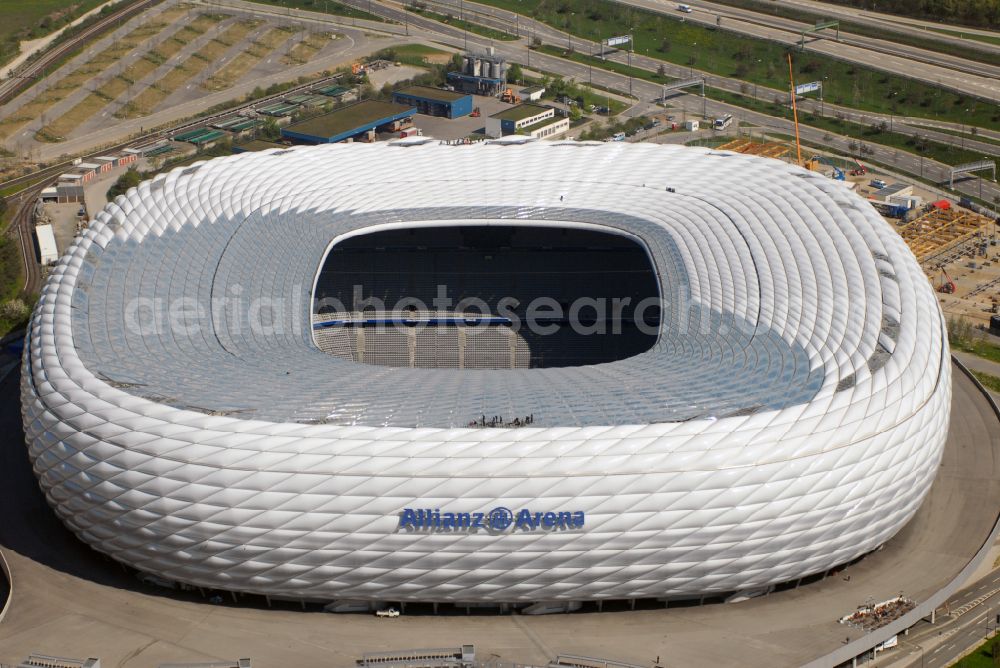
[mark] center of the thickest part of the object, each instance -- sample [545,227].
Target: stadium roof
[268,218]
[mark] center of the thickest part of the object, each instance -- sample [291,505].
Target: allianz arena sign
[498,520]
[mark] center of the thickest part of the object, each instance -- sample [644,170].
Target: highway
[893,22]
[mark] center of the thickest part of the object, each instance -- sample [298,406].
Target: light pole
[630,62]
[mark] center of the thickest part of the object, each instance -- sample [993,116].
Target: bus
[723,123]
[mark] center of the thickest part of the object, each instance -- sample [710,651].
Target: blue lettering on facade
[496,521]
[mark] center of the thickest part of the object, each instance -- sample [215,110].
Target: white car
[388,612]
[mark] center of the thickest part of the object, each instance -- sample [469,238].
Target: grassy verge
[991,383]
[610,65]
[14,306]
[326,7]
[987,39]
[912,37]
[969,135]
[461,24]
[729,54]
[963,336]
[982,656]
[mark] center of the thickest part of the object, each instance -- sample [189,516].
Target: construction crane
[795,111]
[947,285]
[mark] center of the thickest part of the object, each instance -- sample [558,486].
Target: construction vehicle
[508,96]
[838,173]
[860,170]
[947,285]
[475,113]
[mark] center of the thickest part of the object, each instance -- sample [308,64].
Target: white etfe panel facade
[790,418]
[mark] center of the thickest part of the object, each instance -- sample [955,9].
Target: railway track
[22,79]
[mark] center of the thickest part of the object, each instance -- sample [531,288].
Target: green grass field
[982,656]
[417,55]
[31,19]
[455,22]
[666,37]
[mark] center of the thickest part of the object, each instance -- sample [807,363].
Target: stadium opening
[487,297]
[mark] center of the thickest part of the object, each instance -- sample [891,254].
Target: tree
[661,70]
[270,129]
[130,179]
[664,46]
[514,73]
[575,114]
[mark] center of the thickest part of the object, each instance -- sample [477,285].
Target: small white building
[547,128]
[47,251]
[691,126]
[522,118]
[532,93]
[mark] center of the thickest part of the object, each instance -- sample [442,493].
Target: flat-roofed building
[509,121]
[434,101]
[349,122]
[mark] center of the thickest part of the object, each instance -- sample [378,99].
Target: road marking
[958,612]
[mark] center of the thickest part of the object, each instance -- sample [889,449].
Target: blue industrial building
[434,101]
[349,122]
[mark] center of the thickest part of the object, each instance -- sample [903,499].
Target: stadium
[509,372]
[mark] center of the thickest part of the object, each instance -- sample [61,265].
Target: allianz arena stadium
[245,375]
